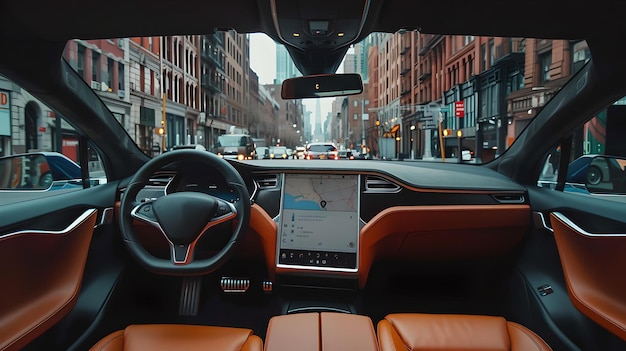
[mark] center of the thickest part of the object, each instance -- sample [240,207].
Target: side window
[39,150]
[596,158]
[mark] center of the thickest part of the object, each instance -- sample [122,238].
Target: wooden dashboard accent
[593,265]
[43,271]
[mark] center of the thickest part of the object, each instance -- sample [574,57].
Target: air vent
[374,184]
[510,198]
[266,181]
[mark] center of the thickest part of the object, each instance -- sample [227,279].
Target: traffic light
[161,129]
[447,132]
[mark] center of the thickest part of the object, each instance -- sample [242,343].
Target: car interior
[188,250]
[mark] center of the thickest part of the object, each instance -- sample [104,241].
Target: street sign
[459,109]
[444,109]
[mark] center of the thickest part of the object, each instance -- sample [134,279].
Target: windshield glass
[426,97]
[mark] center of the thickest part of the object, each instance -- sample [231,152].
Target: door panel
[540,291]
[594,264]
[42,273]
[59,265]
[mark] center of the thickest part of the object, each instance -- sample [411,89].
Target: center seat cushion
[325,331]
[414,331]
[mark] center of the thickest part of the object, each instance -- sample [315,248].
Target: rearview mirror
[606,175]
[322,85]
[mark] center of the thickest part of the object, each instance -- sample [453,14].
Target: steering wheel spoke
[182,254]
[225,212]
[145,213]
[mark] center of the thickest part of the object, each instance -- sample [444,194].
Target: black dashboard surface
[424,175]
[384,184]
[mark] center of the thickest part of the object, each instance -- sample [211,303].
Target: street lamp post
[413,150]
[459,135]
[363,127]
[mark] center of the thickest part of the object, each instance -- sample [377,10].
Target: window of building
[166,48]
[580,55]
[121,82]
[355,116]
[483,56]
[141,81]
[492,52]
[454,76]
[110,72]
[467,39]
[147,80]
[80,69]
[95,66]
[355,103]
[545,61]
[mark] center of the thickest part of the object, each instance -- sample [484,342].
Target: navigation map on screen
[319,214]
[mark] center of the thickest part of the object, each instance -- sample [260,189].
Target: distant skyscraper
[350,64]
[356,60]
[285,68]
[319,132]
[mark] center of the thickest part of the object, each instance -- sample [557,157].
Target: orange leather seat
[408,331]
[155,337]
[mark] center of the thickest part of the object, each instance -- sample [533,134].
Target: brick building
[501,82]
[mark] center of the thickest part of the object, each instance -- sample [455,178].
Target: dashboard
[336,218]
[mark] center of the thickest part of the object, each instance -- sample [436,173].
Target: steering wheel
[183,217]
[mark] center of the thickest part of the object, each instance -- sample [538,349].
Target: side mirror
[606,175]
[25,172]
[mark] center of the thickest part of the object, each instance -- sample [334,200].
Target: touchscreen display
[319,220]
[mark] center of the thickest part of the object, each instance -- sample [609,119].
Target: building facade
[180,65]
[486,88]
[213,106]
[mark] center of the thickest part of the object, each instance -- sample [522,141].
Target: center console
[319,222]
[320,331]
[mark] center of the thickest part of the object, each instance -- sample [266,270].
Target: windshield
[426,97]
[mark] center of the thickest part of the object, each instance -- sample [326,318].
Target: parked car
[39,171]
[581,171]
